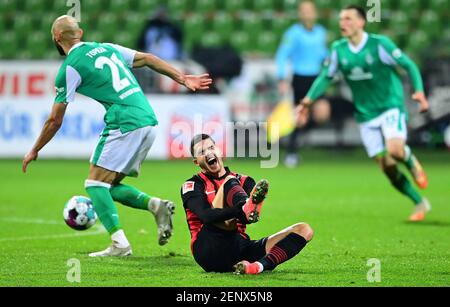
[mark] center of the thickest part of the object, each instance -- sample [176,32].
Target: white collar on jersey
[362,43]
[75,46]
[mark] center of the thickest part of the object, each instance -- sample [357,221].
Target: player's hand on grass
[31,156]
[422,100]
[200,82]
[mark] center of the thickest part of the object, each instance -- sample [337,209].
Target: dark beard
[59,48]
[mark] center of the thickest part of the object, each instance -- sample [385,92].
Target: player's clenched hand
[422,100]
[200,82]
[301,111]
[31,156]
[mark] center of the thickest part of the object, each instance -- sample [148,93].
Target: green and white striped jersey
[101,71]
[370,71]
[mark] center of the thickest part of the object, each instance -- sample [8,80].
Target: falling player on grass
[102,72]
[218,204]
[368,63]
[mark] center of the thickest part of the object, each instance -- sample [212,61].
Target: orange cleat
[252,207]
[245,267]
[419,174]
[420,211]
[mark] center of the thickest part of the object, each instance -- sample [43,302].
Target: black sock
[292,145]
[283,251]
[234,194]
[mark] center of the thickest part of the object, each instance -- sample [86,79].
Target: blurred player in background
[161,36]
[304,45]
[102,72]
[218,204]
[368,63]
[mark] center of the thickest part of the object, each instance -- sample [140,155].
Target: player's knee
[304,230]
[397,152]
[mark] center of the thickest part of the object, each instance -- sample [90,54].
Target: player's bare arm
[192,82]
[422,100]
[51,126]
[301,111]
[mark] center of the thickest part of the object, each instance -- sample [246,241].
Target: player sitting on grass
[102,72]
[218,204]
[368,63]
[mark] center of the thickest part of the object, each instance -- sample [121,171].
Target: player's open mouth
[212,161]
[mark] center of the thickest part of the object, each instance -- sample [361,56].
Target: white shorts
[391,124]
[123,152]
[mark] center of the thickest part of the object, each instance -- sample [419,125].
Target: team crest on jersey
[188,186]
[397,53]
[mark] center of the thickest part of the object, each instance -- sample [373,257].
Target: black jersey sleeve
[194,199]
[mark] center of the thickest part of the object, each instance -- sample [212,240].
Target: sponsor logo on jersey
[358,74]
[188,186]
[59,90]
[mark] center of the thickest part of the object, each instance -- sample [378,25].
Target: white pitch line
[96,230]
[30,221]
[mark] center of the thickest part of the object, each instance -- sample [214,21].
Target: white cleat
[163,217]
[420,211]
[113,251]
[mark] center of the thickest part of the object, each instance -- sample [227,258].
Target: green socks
[408,158]
[103,204]
[404,186]
[132,197]
[103,196]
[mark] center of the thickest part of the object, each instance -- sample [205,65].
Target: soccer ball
[79,213]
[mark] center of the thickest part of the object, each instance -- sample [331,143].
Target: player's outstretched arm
[392,55]
[301,111]
[320,85]
[51,126]
[414,73]
[192,82]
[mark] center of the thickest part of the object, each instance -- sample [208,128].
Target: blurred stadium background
[245,79]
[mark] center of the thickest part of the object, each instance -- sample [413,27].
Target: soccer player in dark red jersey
[218,205]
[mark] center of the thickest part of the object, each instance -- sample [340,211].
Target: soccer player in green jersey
[368,63]
[102,72]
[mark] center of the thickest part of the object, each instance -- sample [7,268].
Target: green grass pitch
[345,198]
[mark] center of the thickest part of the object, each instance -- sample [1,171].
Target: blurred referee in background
[304,46]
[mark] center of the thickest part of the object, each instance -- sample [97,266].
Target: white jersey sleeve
[127,53]
[67,82]
[333,64]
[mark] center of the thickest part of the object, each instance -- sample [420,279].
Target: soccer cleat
[419,174]
[113,251]
[291,161]
[420,210]
[245,267]
[163,217]
[252,207]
